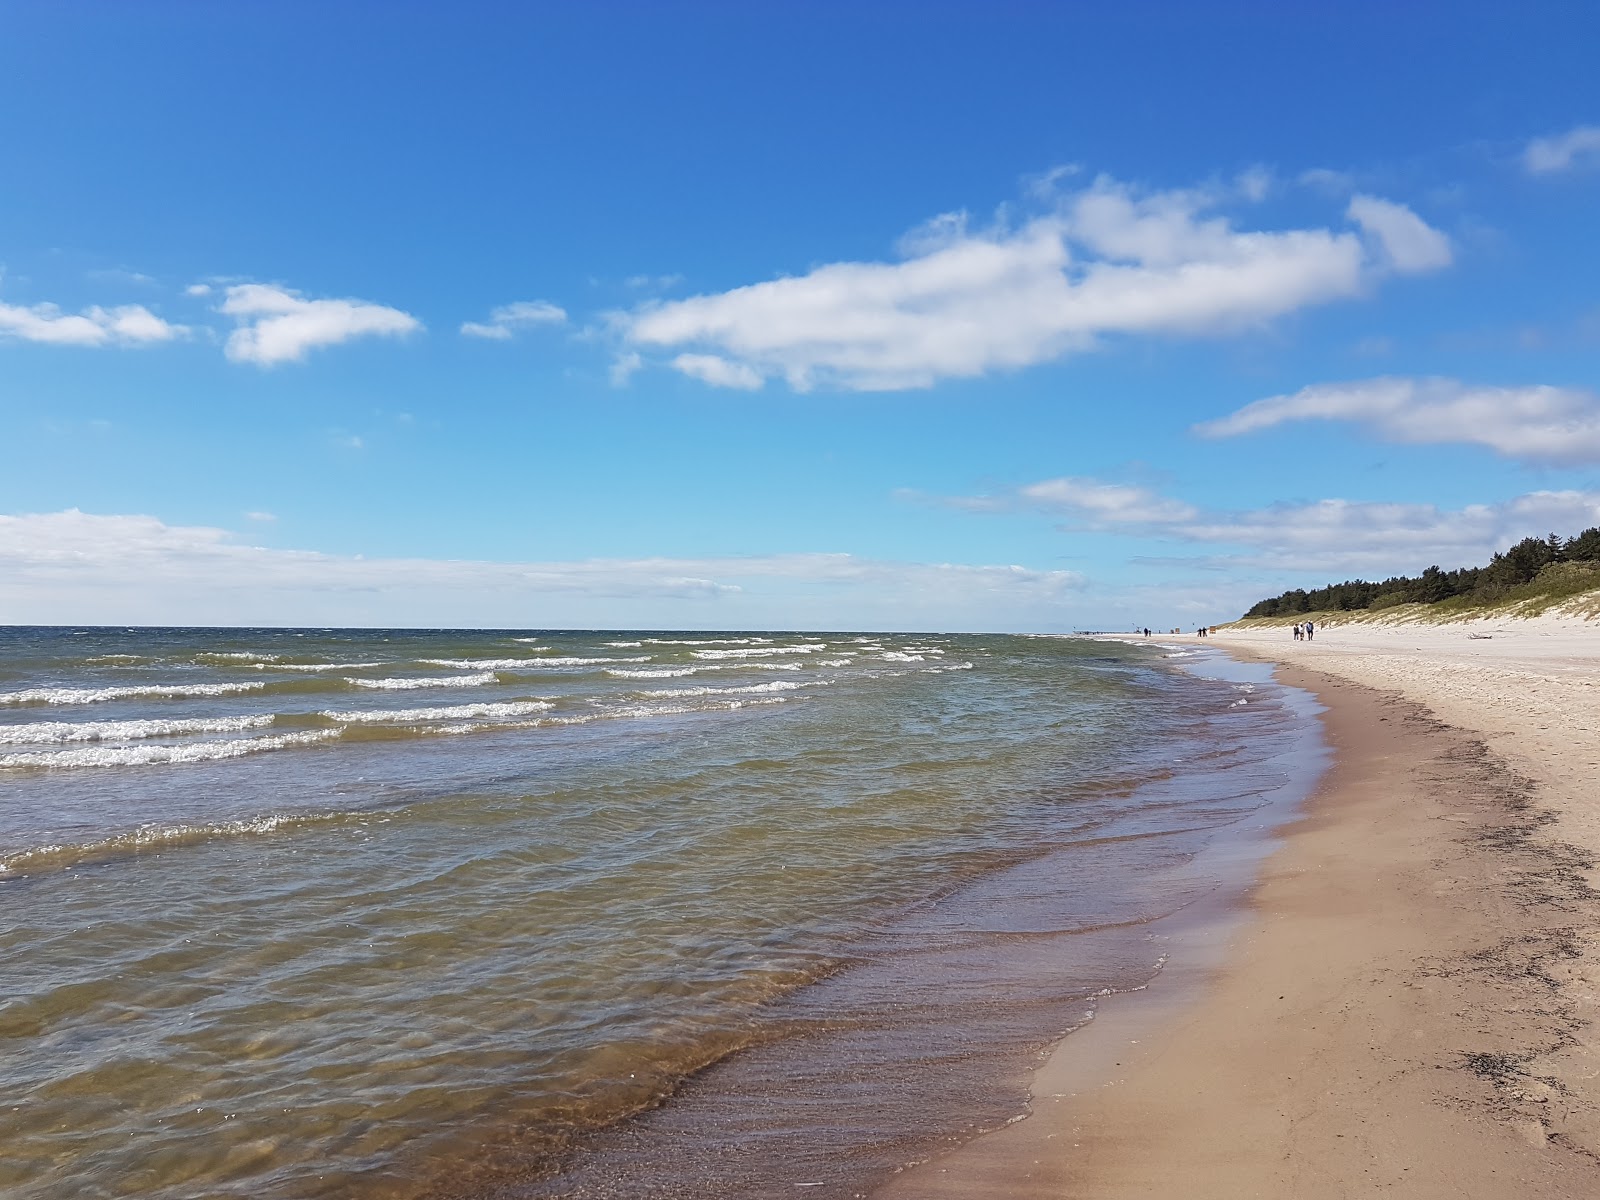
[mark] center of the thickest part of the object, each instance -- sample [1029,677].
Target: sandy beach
[1408,1003]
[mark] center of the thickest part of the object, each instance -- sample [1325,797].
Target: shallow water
[318,913]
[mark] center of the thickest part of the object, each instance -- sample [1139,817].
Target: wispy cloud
[278,325]
[1407,242]
[509,320]
[719,372]
[81,567]
[1538,424]
[1563,151]
[124,325]
[1107,260]
[1319,536]
[1382,539]
[624,367]
[1087,503]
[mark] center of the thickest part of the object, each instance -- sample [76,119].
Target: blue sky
[730,315]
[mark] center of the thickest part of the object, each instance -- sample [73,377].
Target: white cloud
[1409,242]
[508,320]
[280,325]
[655,283]
[1107,261]
[1325,179]
[1532,424]
[1562,152]
[1256,183]
[197,289]
[125,325]
[624,368]
[1321,536]
[719,372]
[1383,539]
[264,517]
[1089,503]
[74,567]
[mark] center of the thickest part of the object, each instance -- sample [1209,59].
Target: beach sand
[1408,1004]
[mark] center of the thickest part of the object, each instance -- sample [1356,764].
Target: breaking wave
[40,732]
[130,756]
[146,692]
[402,683]
[454,712]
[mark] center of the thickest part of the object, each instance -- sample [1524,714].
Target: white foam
[898,656]
[454,712]
[344,666]
[778,685]
[402,683]
[641,711]
[235,656]
[625,645]
[763,652]
[483,664]
[523,664]
[40,732]
[746,641]
[175,691]
[130,756]
[662,673]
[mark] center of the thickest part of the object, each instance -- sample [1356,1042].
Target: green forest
[1532,566]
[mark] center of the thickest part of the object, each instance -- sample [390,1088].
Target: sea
[319,913]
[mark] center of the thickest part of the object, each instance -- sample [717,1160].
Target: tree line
[1519,565]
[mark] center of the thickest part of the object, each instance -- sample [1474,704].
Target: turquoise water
[402,913]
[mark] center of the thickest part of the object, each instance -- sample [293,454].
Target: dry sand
[1409,1004]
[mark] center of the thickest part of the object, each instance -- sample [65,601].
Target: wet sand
[1407,1004]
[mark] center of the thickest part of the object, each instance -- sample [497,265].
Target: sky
[929,316]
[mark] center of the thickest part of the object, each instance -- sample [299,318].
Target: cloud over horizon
[1330,535]
[1108,260]
[1536,424]
[84,568]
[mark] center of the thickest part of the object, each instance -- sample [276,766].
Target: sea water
[318,913]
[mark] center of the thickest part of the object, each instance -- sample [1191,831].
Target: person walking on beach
[1297,631]
[1310,630]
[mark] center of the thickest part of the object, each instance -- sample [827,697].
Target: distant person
[1311,631]
[1298,632]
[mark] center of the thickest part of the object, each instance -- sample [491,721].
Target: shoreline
[1407,1000]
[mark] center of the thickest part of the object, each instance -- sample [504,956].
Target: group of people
[1304,631]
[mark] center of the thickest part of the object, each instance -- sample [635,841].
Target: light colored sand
[1410,1004]
[1530,687]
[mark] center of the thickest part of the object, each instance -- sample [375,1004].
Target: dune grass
[1565,588]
